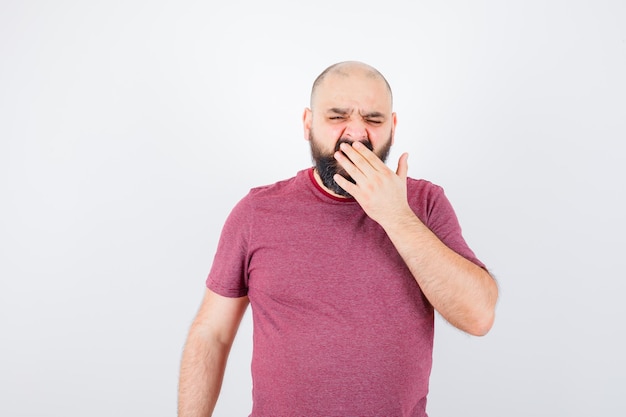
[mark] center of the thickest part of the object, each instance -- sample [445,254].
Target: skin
[354,102]
[204,358]
[462,292]
[351,107]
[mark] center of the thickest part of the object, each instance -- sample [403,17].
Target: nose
[356,130]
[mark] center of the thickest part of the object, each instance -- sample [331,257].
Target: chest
[336,259]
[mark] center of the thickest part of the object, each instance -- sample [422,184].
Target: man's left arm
[462,292]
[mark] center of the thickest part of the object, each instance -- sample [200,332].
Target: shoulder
[423,188]
[268,197]
[272,189]
[426,198]
[281,190]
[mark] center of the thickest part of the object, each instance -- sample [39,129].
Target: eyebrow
[345,111]
[374,114]
[341,111]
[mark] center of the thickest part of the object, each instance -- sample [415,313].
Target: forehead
[358,89]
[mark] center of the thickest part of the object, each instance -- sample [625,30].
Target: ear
[394,121]
[307,120]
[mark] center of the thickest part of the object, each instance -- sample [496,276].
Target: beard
[327,166]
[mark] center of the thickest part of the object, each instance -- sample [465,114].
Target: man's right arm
[206,351]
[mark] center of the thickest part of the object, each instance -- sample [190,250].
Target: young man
[343,265]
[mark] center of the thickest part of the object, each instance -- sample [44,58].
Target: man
[342,265]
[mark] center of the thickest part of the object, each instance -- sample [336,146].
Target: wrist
[401,220]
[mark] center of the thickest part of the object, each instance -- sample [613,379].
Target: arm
[462,292]
[206,351]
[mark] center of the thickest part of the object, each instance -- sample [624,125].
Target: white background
[129,129]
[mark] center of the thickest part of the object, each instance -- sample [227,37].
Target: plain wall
[129,129]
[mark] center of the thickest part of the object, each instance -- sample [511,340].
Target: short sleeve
[443,222]
[228,274]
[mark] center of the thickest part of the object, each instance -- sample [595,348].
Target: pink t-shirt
[341,327]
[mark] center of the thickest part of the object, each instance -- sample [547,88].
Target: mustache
[365,142]
[327,166]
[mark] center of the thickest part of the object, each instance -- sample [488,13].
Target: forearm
[461,291]
[201,375]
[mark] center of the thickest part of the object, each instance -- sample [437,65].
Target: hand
[380,191]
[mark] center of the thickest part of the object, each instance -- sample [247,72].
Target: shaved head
[347,69]
[350,101]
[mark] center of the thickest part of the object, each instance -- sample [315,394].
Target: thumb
[403,166]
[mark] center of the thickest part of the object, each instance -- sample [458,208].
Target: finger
[403,166]
[349,187]
[370,156]
[355,157]
[353,163]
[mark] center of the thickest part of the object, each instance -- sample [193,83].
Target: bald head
[348,69]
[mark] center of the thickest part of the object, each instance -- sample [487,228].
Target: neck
[321,184]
